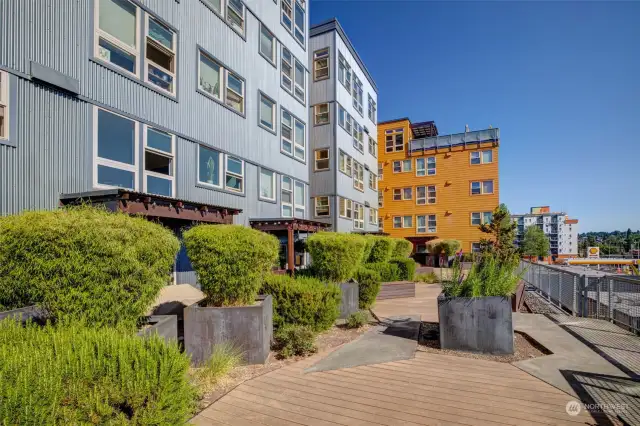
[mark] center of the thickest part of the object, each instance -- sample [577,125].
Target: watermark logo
[573,408]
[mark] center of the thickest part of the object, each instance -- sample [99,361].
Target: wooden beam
[290,253]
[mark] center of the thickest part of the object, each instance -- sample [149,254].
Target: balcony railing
[467,138]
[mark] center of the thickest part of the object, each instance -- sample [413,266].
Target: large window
[321,114]
[322,207]
[425,194]
[358,216]
[321,64]
[373,108]
[373,147]
[4,105]
[402,194]
[299,91]
[479,218]
[394,140]
[345,164]
[358,136]
[482,187]
[160,60]
[481,157]
[344,72]
[407,221]
[321,159]
[299,199]
[220,83]
[286,69]
[267,44]
[373,216]
[299,21]
[209,167]
[346,121]
[380,171]
[115,150]
[267,185]
[426,166]
[286,199]
[373,181]
[267,112]
[358,176]
[431,166]
[401,166]
[346,208]
[234,174]
[117,33]
[235,15]
[357,94]
[293,18]
[293,136]
[159,162]
[293,75]
[426,223]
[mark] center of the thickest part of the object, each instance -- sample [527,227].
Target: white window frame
[147,62]
[358,176]
[283,64]
[480,157]
[221,78]
[227,172]
[274,112]
[380,199]
[220,168]
[345,163]
[290,15]
[475,247]
[404,198]
[394,222]
[297,206]
[380,171]
[315,209]
[98,33]
[273,184]
[479,222]
[146,173]
[227,89]
[421,167]
[373,147]
[291,130]
[430,199]
[296,27]
[5,102]
[402,166]
[427,228]
[321,55]
[392,133]
[295,81]
[274,45]
[358,210]
[431,229]
[348,208]
[344,72]
[404,222]
[373,216]
[243,17]
[284,204]
[373,181]
[399,192]
[98,161]
[481,185]
[357,94]
[358,136]
[372,109]
[316,114]
[421,200]
[316,159]
[431,166]
[303,147]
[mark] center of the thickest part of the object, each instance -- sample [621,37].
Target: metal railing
[587,293]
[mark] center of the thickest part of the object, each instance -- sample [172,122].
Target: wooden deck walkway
[430,389]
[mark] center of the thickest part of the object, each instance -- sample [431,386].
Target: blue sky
[560,79]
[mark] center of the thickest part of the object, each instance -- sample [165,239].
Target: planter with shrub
[475,312]
[163,326]
[231,263]
[368,286]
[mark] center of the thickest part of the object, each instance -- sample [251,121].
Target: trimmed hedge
[402,248]
[369,241]
[446,247]
[84,263]
[381,250]
[388,271]
[295,340]
[75,375]
[302,301]
[231,261]
[335,256]
[406,268]
[369,283]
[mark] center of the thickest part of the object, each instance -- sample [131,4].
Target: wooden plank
[212,413]
[246,412]
[200,420]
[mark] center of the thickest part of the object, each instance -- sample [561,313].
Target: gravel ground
[525,347]
[538,305]
[334,337]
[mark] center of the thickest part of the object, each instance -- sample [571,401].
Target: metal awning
[157,206]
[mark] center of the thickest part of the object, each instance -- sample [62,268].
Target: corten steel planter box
[248,327]
[349,298]
[481,324]
[25,314]
[165,326]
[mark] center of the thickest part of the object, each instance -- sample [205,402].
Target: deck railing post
[549,284]
[610,300]
[598,299]
[575,295]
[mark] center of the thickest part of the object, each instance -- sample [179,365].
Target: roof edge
[333,25]
[394,121]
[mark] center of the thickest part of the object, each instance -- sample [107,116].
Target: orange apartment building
[433,186]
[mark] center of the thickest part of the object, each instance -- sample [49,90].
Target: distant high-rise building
[557,226]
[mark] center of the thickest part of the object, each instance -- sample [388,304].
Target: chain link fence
[587,293]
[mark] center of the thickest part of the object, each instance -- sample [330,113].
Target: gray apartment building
[199,100]
[561,230]
[342,133]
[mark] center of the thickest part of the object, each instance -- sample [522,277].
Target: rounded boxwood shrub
[230,261]
[84,263]
[74,375]
[381,250]
[292,340]
[302,301]
[406,268]
[402,248]
[335,256]
[388,271]
[369,283]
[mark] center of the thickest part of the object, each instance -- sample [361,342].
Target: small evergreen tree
[501,236]
[535,243]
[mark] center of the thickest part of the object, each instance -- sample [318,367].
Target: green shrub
[381,250]
[74,375]
[231,261]
[388,271]
[335,256]
[428,278]
[402,248]
[369,242]
[295,340]
[369,282]
[406,268]
[488,277]
[446,247]
[302,301]
[469,257]
[224,357]
[357,319]
[84,263]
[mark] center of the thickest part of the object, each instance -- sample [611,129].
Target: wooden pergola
[288,225]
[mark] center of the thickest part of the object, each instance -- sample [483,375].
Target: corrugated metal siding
[54,149]
[323,90]
[58,34]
